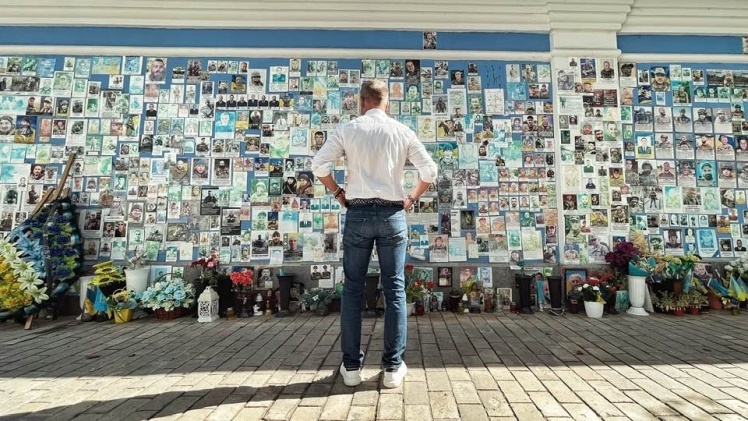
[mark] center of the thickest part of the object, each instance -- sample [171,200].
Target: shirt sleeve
[419,157]
[328,154]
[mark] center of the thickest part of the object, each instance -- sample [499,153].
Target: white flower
[38,294]
[27,282]
[586,286]
[21,265]
[596,288]
[579,289]
[729,268]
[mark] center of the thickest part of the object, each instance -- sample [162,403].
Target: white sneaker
[350,377]
[393,379]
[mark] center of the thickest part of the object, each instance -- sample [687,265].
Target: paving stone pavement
[470,367]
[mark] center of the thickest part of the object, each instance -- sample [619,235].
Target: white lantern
[207,306]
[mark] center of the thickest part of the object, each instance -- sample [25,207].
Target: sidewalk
[469,367]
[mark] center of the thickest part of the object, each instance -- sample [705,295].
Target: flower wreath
[51,232]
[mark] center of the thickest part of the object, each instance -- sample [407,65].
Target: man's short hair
[374,90]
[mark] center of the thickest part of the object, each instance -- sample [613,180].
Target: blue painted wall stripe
[269,38]
[680,44]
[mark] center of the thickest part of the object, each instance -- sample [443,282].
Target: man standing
[376,148]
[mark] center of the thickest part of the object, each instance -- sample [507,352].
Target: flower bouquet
[107,278]
[242,279]
[627,259]
[241,283]
[208,268]
[167,295]
[737,273]
[594,303]
[675,267]
[415,290]
[120,305]
[592,293]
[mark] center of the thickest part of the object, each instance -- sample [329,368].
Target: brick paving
[470,367]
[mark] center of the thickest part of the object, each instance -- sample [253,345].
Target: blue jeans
[365,226]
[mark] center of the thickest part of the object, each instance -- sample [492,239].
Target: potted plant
[628,262]
[696,300]
[594,304]
[120,306]
[136,274]
[666,302]
[682,302]
[318,300]
[413,291]
[167,297]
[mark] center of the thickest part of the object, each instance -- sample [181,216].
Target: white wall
[625,16]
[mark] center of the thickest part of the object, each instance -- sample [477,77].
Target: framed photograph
[504,297]
[445,277]
[574,278]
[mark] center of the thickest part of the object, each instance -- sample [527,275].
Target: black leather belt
[352,203]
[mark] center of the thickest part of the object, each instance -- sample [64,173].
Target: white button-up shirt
[376,148]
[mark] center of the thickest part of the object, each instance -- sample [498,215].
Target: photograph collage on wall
[660,149]
[182,157]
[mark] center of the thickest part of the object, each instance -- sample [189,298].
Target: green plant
[414,290]
[682,302]
[118,301]
[697,299]
[317,297]
[666,301]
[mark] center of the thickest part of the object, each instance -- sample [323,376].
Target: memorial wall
[180,157]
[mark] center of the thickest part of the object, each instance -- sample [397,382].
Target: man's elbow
[429,173]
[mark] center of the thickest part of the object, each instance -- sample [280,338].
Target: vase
[594,309]
[573,306]
[242,298]
[677,287]
[454,303]
[524,284]
[137,279]
[678,312]
[427,302]
[556,292]
[736,311]
[715,301]
[622,300]
[410,308]
[284,289]
[335,305]
[322,310]
[420,310]
[636,292]
[122,316]
[694,310]
[162,314]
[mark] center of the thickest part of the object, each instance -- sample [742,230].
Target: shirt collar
[376,112]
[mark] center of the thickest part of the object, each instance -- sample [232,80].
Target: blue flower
[180,295]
